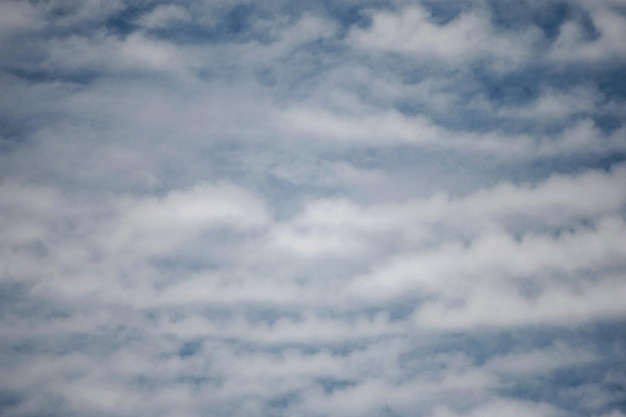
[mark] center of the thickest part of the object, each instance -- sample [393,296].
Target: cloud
[160,222]
[540,361]
[164,15]
[509,408]
[17,18]
[573,44]
[469,36]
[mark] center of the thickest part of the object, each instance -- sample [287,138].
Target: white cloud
[389,128]
[553,105]
[164,15]
[72,13]
[487,307]
[469,36]
[134,53]
[508,408]
[572,43]
[540,361]
[160,224]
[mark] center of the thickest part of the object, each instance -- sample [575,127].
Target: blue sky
[349,209]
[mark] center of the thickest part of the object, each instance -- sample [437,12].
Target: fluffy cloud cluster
[277,209]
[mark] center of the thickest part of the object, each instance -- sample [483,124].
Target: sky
[374,208]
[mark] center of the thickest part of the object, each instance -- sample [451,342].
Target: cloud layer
[279,209]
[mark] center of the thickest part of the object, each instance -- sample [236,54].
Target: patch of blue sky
[518,15]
